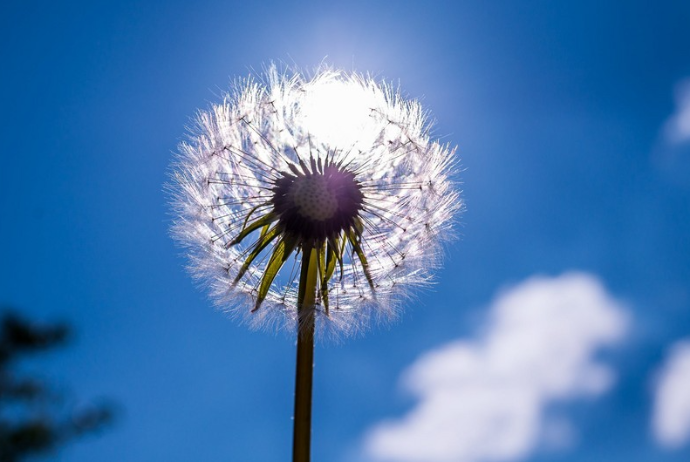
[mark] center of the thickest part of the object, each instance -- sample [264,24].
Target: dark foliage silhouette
[34,421]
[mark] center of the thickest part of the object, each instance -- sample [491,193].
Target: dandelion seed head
[336,162]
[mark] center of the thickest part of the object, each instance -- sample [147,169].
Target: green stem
[301,449]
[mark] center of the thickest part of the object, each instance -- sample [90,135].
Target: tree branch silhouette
[30,423]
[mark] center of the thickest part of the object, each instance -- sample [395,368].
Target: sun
[339,112]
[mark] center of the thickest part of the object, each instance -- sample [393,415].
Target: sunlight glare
[337,112]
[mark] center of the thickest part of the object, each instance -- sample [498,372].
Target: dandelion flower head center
[317,204]
[313,198]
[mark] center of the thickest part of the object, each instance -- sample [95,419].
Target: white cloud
[671,421]
[486,400]
[677,128]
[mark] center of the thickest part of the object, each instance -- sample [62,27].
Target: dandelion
[313,203]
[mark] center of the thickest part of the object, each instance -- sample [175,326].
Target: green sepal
[251,212]
[304,166]
[248,229]
[354,239]
[293,168]
[266,238]
[336,249]
[264,230]
[323,276]
[332,256]
[280,254]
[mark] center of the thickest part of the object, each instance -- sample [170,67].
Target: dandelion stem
[301,448]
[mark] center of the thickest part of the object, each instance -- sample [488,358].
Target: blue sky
[575,148]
